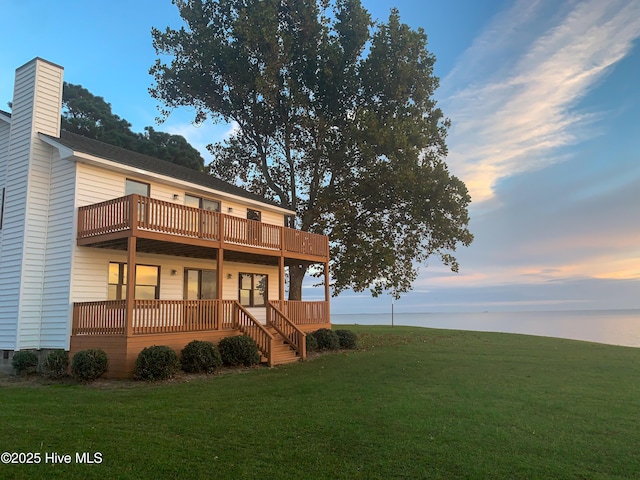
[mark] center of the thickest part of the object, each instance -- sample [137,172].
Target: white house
[76,215]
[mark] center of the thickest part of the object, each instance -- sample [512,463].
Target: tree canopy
[91,116]
[335,119]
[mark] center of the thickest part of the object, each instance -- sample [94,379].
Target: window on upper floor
[133,186]
[254,215]
[289,221]
[203,203]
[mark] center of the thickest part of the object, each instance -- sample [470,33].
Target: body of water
[614,327]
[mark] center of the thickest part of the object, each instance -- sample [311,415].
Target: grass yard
[411,403]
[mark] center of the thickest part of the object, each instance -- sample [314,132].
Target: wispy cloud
[512,95]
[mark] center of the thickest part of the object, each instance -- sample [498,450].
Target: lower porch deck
[175,323]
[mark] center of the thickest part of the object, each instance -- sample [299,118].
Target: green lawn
[411,403]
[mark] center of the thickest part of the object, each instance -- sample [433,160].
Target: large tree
[91,116]
[335,119]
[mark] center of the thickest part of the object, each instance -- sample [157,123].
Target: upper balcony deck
[106,223]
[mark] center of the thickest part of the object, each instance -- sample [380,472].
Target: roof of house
[78,143]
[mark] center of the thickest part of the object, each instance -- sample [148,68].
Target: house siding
[90,274]
[46,119]
[13,229]
[4,147]
[36,108]
[97,184]
[61,229]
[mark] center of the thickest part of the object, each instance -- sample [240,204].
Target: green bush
[200,357]
[25,362]
[347,339]
[56,364]
[327,339]
[89,365]
[157,362]
[312,343]
[240,350]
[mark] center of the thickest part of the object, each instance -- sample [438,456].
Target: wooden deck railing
[250,232]
[167,217]
[304,242]
[152,316]
[175,316]
[99,318]
[303,313]
[135,212]
[166,316]
[247,324]
[290,332]
[106,217]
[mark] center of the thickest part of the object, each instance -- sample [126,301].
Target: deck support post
[327,291]
[131,284]
[281,279]
[219,284]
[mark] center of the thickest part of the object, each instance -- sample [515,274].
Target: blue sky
[544,96]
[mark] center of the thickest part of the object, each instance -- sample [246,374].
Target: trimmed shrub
[200,357]
[56,364]
[25,362]
[89,365]
[240,350]
[157,362]
[312,343]
[347,339]
[327,339]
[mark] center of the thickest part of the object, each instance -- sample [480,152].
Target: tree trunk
[296,277]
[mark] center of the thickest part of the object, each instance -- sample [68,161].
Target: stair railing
[290,332]
[247,324]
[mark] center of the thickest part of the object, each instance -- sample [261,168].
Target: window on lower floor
[147,282]
[253,289]
[200,284]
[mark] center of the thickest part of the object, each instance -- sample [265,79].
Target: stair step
[281,358]
[282,348]
[283,353]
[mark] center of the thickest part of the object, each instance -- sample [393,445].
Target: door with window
[200,284]
[253,289]
[142,189]
[254,228]
[203,222]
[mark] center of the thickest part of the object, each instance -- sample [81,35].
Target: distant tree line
[91,116]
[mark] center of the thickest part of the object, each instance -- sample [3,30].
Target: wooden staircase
[279,341]
[283,353]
